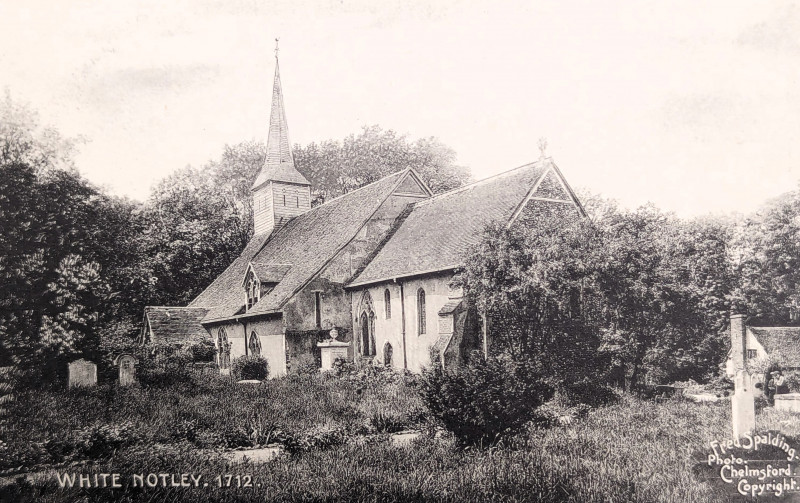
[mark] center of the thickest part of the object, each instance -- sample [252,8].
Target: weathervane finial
[542,147]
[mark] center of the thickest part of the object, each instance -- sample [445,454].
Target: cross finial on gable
[542,147]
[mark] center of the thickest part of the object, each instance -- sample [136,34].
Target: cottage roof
[279,163]
[174,324]
[307,242]
[438,232]
[783,343]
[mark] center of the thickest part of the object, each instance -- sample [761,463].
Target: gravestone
[127,369]
[82,373]
[743,411]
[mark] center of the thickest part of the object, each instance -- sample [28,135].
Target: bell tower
[280,192]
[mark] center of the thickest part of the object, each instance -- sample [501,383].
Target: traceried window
[318,309]
[421,326]
[367,328]
[387,301]
[254,345]
[223,349]
[253,290]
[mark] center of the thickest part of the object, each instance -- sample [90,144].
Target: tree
[644,291]
[537,283]
[337,167]
[766,254]
[24,141]
[192,232]
[53,291]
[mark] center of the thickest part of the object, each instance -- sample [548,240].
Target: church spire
[279,164]
[280,192]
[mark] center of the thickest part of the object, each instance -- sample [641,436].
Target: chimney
[738,341]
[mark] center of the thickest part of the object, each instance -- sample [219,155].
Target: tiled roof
[783,343]
[450,307]
[175,324]
[224,296]
[269,272]
[439,231]
[307,243]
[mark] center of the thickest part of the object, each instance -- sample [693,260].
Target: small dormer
[260,279]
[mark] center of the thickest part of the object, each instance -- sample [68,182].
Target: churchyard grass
[633,450]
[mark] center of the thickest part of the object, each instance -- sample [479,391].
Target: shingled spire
[279,164]
[280,192]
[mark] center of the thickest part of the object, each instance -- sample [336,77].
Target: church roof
[279,163]
[438,232]
[783,343]
[174,324]
[306,243]
[269,272]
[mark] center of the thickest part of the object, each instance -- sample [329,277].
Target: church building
[366,274]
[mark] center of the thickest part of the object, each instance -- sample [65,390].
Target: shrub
[484,400]
[792,380]
[305,364]
[250,367]
[163,365]
[100,441]
[587,392]
[386,422]
[203,350]
[342,367]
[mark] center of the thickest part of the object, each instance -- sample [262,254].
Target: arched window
[364,326]
[254,345]
[387,301]
[252,290]
[372,345]
[223,349]
[387,354]
[421,311]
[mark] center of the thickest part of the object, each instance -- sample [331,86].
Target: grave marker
[743,411]
[82,373]
[127,369]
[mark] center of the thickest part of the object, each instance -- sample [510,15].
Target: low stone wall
[788,401]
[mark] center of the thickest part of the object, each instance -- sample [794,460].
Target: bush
[587,392]
[792,380]
[163,365]
[305,364]
[342,367]
[203,351]
[484,400]
[250,367]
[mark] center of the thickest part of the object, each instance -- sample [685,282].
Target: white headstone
[82,373]
[743,411]
[127,369]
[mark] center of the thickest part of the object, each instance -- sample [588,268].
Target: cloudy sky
[692,105]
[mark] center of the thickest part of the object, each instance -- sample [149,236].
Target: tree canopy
[641,290]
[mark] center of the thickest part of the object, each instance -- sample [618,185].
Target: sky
[691,105]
